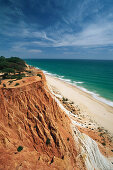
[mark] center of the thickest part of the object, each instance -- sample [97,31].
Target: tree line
[11,65]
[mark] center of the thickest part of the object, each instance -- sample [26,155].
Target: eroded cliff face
[29,116]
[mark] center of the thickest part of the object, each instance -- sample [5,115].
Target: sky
[57,29]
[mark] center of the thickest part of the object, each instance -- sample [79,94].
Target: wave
[96,96]
[76,83]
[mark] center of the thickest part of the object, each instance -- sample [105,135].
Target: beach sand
[90,108]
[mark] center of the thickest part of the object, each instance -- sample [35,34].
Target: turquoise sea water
[92,76]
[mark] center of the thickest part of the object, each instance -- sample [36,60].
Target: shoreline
[95,110]
[81,88]
[84,129]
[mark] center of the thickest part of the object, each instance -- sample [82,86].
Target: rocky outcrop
[32,119]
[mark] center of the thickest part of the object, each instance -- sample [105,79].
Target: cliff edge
[34,132]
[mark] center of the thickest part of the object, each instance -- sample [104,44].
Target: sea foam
[76,84]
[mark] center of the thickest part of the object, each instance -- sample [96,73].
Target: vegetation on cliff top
[11,66]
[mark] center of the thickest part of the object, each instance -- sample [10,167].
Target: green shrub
[72,103]
[64,99]
[103,144]
[47,141]
[39,75]
[11,65]
[19,77]
[20,148]
[8,70]
[101,134]
[28,71]
[16,84]
[4,85]
[67,139]
[16,76]
[10,82]
[5,76]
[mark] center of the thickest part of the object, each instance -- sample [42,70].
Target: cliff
[34,132]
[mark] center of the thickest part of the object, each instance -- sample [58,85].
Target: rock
[28,116]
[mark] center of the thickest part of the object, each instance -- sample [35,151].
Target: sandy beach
[92,109]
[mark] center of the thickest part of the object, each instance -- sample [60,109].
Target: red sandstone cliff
[28,117]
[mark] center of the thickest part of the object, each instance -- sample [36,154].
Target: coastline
[91,108]
[76,84]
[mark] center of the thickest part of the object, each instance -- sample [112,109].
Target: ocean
[92,76]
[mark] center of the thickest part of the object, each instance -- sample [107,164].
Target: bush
[72,103]
[16,84]
[67,139]
[4,85]
[28,71]
[64,99]
[103,144]
[39,75]
[19,77]
[10,81]
[20,148]
[16,76]
[8,70]
[11,65]
[47,141]
[5,76]
[101,134]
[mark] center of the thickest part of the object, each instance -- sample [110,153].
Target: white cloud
[99,34]
[21,46]
[94,35]
[35,51]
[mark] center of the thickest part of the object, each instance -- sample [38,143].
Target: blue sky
[77,29]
